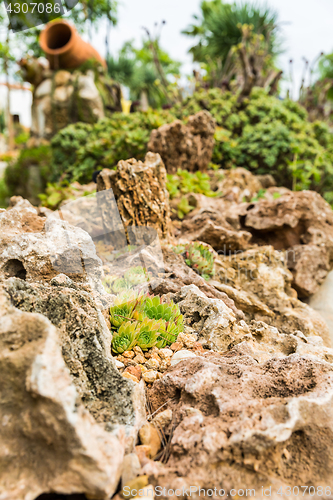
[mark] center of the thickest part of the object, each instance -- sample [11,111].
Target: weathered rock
[188,147]
[36,250]
[86,348]
[260,284]
[322,302]
[302,223]
[50,442]
[140,191]
[237,184]
[178,274]
[210,226]
[213,321]
[241,425]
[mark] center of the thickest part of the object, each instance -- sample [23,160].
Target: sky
[307,28]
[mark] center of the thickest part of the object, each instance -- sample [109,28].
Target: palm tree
[219,28]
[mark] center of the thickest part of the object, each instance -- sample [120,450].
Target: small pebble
[134,370]
[162,419]
[152,363]
[143,368]
[181,355]
[197,347]
[128,354]
[149,376]
[130,377]
[137,350]
[119,364]
[140,359]
[149,436]
[187,339]
[164,365]
[176,346]
[165,353]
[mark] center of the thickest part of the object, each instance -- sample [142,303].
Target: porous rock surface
[238,424]
[189,146]
[49,441]
[141,194]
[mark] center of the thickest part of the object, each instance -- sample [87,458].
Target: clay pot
[64,48]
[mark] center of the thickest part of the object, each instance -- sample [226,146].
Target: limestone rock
[49,441]
[113,401]
[140,191]
[178,274]
[322,302]
[260,284]
[301,223]
[210,226]
[240,424]
[188,147]
[36,250]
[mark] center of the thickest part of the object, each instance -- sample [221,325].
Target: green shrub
[267,135]
[19,178]
[184,182]
[80,149]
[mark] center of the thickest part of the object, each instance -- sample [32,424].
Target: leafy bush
[267,135]
[184,182]
[80,149]
[18,174]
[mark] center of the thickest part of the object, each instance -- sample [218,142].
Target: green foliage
[17,171]
[326,71]
[170,314]
[184,182]
[184,208]
[145,321]
[126,337]
[263,134]
[148,333]
[80,149]
[4,194]
[133,277]
[199,257]
[136,68]
[219,28]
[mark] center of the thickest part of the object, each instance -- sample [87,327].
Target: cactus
[126,337]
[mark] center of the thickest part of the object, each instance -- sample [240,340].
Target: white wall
[20,103]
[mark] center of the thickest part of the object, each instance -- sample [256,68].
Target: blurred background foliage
[235,45]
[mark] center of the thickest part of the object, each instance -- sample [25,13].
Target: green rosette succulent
[120,285]
[169,313]
[126,337]
[148,333]
[200,257]
[127,306]
[136,275]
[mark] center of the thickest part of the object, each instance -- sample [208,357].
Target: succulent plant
[148,333]
[136,275]
[127,306]
[126,337]
[120,285]
[169,313]
[200,257]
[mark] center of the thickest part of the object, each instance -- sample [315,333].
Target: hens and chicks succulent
[144,321]
[199,257]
